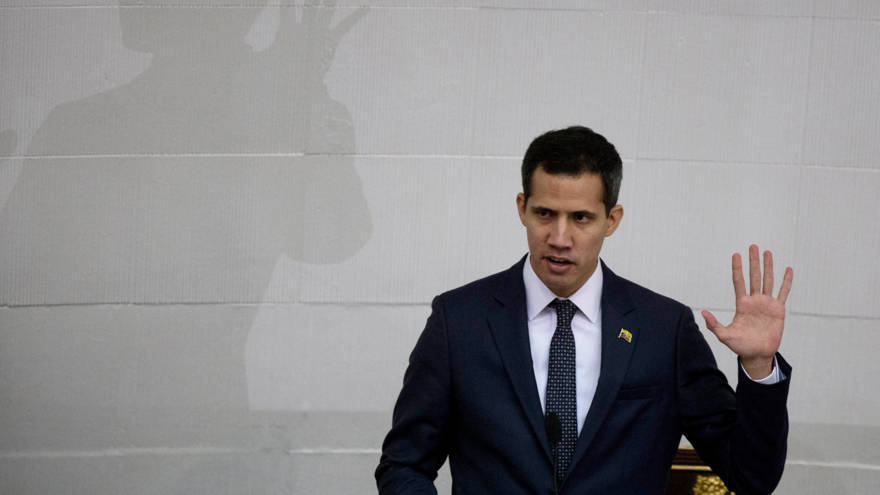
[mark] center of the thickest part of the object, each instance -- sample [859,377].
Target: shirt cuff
[773,378]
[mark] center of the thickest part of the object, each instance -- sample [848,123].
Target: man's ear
[614,218]
[521,207]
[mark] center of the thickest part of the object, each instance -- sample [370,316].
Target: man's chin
[562,287]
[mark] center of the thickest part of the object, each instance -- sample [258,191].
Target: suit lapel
[616,353]
[509,326]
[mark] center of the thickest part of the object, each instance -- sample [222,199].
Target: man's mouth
[558,261]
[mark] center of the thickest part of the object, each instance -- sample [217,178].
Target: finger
[739,284]
[754,271]
[768,274]
[711,322]
[786,285]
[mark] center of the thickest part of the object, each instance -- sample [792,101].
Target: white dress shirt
[587,328]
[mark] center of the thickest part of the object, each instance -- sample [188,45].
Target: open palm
[756,330]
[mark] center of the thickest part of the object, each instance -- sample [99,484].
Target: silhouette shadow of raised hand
[187,184]
[217,204]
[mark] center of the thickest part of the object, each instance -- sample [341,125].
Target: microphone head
[553,427]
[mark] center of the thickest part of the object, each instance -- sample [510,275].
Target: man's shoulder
[487,285]
[642,296]
[504,284]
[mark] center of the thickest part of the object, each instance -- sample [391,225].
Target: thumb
[711,322]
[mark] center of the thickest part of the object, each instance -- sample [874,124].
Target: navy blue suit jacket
[469,393]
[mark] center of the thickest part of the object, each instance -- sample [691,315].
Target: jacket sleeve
[417,444]
[742,435]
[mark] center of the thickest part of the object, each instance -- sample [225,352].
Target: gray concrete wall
[222,222]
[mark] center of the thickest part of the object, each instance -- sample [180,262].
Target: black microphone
[554,433]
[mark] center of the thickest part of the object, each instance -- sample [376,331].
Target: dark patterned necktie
[561,394]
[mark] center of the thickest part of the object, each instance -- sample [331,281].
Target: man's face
[566,224]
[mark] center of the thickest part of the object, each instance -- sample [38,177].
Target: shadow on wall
[8,140]
[143,172]
[187,184]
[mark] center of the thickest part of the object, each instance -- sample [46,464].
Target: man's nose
[560,234]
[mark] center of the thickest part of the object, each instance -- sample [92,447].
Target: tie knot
[564,311]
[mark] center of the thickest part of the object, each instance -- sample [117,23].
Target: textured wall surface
[222,221]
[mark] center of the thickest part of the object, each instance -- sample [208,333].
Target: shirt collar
[587,298]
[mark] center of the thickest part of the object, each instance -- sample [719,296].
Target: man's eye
[581,218]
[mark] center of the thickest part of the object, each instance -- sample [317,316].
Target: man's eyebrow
[586,213]
[540,208]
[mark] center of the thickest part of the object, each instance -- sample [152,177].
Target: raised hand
[756,330]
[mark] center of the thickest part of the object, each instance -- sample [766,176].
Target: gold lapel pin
[625,335]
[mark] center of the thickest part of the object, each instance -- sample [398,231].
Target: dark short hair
[574,151]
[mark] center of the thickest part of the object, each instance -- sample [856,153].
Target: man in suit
[557,375]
